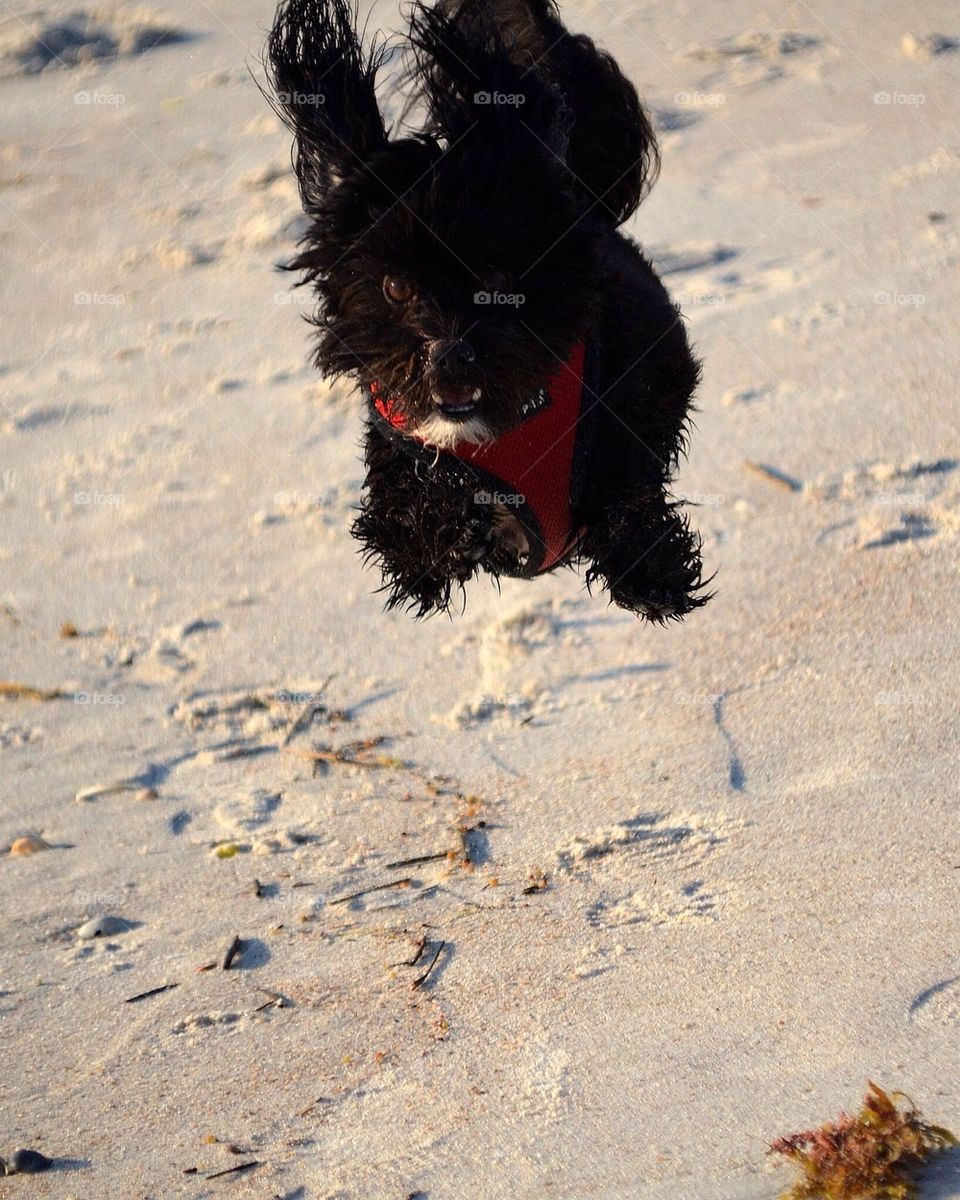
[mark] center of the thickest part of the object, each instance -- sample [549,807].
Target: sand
[712,877]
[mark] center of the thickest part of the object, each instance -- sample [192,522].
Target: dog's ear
[464,71]
[599,125]
[324,86]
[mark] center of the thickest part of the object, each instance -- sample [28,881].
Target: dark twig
[421,979]
[418,947]
[353,754]
[304,1112]
[247,1166]
[23,691]
[164,987]
[276,1000]
[418,861]
[306,714]
[380,887]
[235,948]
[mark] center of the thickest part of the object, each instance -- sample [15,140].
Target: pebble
[27,1162]
[105,926]
[31,844]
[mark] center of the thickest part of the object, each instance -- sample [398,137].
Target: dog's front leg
[644,551]
[421,525]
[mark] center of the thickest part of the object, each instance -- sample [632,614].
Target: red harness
[530,467]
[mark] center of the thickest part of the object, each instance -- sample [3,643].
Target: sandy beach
[679,890]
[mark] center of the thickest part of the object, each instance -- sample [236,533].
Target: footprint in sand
[37,41]
[653,836]
[516,676]
[672,120]
[760,56]
[704,276]
[807,321]
[244,814]
[211,1020]
[673,844]
[941,162]
[164,656]
[15,735]
[251,713]
[178,256]
[890,504]
[327,508]
[657,905]
[544,1075]
[927,46]
[42,416]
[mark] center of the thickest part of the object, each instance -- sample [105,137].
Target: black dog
[527,377]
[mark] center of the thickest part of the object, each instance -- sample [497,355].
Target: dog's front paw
[651,566]
[471,546]
[423,562]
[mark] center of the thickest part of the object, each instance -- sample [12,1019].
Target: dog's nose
[453,355]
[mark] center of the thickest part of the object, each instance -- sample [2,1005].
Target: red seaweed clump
[867,1157]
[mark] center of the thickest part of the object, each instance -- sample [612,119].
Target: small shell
[28,1162]
[105,926]
[31,844]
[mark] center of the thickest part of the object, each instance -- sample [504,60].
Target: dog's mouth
[456,403]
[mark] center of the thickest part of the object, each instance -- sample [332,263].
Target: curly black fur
[611,148]
[325,90]
[520,198]
[422,526]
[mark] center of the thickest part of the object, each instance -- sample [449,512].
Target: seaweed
[869,1156]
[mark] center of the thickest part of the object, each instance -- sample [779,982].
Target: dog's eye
[397,289]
